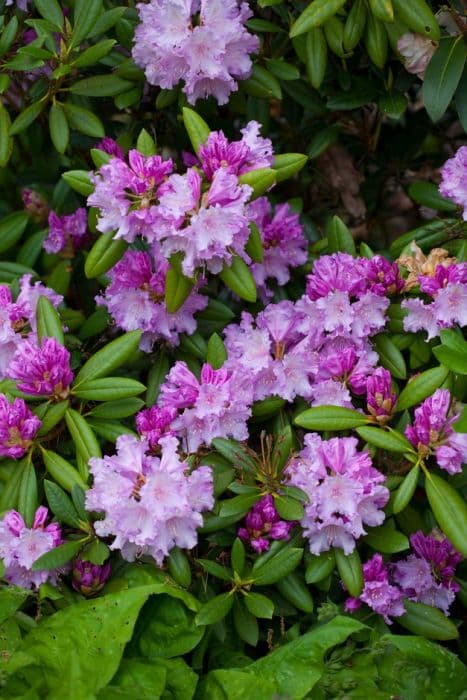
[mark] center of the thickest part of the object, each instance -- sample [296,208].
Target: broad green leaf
[85,15]
[421,386]
[179,567]
[97,552]
[288,164]
[215,609]
[50,414]
[406,490]
[238,506]
[237,556]
[11,599]
[260,180]
[101,86]
[156,377]
[216,353]
[393,104]
[168,629]
[83,120]
[245,623]
[316,49]
[427,194]
[265,408]
[8,35]
[449,509]
[376,41]
[315,15]
[145,680]
[390,356]
[59,556]
[382,9]
[58,127]
[443,74]
[330,418]
[113,410]
[392,441]
[109,358]
[145,144]
[60,504]
[282,70]
[262,83]
[418,17]
[289,508]
[48,321]
[235,684]
[108,389]
[6,142]
[12,228]
[82,435]
[340,239]
[294,589]
[239,279]
[26,117]
[259,605]
[79,181]
[386,540]
[355,24]
[216,569]
[254,245]
[94,53]
[51,11]
[27,495]
[276,567]
[235,453]
[319,567]
[451,358]
[427,621]
[104,254]
[62,471]
[197,129]
[350,570]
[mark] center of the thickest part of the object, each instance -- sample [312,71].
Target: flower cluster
[202,42]
[284,244]
[42,370]
[432,432]
[21,546]
[135,299]
[345,492]
[216,406]
[263,524]
[18,317]
[454,179]
[66,233]
[150,504]
[426,576]
[18,427]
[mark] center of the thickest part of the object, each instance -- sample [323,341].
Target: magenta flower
[380,398]
[21,546]
[110,146]
[42,371]
[135,298]
[338,272]
[202,42]
[284,244]
[383,276]
[89,579]
[444,275]
[378,593]
[127,195]
[345,492]
[432,432]
[454,179]
[154,423]
[66,231]
[18,427]
[35,205]
[218,406]
[427,576]
[263,524]
[150,504]
[251,152]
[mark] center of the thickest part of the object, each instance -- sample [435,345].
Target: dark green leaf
[449,509]
[443,74]
[12,228]
[427,621]
[109,358]
[330,418]
[421,386]
[350,570]
[59,556]
[84,120]
[215,609]
[60,504]
[58,127]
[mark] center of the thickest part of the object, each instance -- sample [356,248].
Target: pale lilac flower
[432,432]
[284,244]
[135,298]
[150,504]
[202,42]
[21,546]
[251,152]
[345,492]
[450,306]
[427,576]
[110,146]
[417,51]
[378,593]
[454,179]
[154,423]
[218,406]
[208,228]
[127,196]
[89,579]
[66,231]
[23,310]
[18,427]
[380,398]
[263,524]
[420,317]
[42,370]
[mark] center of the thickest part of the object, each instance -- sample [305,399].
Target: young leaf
[260,180]
[288,164]
[145,144]
[239,279]
[340,239]
[48,321]
[197,129]
[104,254]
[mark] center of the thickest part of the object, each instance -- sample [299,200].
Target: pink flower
[417,51]
[42,371]
[378,593]
[18,427]
[252,151]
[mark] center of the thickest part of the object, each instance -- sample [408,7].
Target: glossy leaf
[421,386]
[449,509]
[330,418]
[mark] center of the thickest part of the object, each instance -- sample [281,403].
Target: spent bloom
[454,179]
[378,593]
[263,524]
[416,50]
[150,504]
[135,298]
[427,575]
[126,195]
[42,370]
[380,398]
[284,244]
[66,232]
[89,579]
[18,427]
[202,42]
[345,492]
[21,546]
[217,406]
[432,432]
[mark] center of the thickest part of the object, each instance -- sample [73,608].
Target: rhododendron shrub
[233,299]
